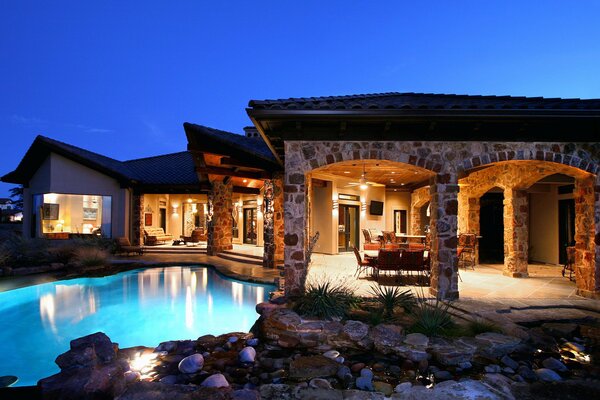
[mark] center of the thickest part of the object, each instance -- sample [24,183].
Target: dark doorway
[250,226]
[566,227]
[491,224]
[348,227]
[163,218]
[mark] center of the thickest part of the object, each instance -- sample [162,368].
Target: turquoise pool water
[141,307]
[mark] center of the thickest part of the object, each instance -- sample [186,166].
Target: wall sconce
[363,206]
[335,204]
[174,209]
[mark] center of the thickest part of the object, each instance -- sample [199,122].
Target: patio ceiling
[384,172]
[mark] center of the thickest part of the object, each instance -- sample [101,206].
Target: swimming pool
[140,307]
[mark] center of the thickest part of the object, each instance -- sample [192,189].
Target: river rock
[560,329]
[364,383]
[132,376]
[527,373]
[308,367]
[169,379]
[554,364]
[247,355]
[252,342]
[547,375]
[332,354]
[191,364]
[492,369]
[416,339]
[215,381]
[87,351]
[509,362]
[452,352]
[442,375]
[383,387]
[402,387]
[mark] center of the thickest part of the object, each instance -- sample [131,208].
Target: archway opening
[491,242]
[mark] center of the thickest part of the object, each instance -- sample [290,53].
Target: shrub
[17,251]
[326,299]
[91,257]
[391,297]
[431,317]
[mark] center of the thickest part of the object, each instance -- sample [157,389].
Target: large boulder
[387,337]
[452,352]
[308,367]
[496,345]
[88,351]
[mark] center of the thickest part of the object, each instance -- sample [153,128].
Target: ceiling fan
[363,182]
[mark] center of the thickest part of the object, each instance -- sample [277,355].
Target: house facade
[520,173]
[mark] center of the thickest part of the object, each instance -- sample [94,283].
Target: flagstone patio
[485,282]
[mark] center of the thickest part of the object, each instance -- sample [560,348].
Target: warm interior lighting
[346,172]
[335,204]
[245,180]
[363,183]
[189,200]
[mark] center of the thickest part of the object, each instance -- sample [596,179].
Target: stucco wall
[58,174]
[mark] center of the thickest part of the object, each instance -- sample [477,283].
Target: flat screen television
[376,207]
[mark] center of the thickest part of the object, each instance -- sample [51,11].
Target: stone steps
[175,250]
[240,257]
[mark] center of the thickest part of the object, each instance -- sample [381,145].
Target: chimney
[251,132]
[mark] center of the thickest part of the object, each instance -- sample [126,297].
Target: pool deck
[232,269]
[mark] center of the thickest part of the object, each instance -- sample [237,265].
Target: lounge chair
[124,246]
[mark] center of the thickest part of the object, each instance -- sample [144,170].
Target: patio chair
[196,237]
[361,265]
[387,261]
[125,246]
[465,251]
[414,261]
[370,244]
[569,266]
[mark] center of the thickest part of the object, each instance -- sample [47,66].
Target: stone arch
[515,175]
[301,158]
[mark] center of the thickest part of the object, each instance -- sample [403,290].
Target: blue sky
[120,78]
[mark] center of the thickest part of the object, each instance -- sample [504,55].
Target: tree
[17,195]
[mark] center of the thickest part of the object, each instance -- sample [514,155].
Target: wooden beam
[233,172]
[246,190]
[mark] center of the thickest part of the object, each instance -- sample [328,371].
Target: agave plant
[326,299]
[431,317]
[391,297]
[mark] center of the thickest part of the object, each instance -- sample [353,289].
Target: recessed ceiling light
[346,172]
[245,180]
[402,184]
[393,172]
[395,190]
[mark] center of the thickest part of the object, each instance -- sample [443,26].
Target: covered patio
[485,281]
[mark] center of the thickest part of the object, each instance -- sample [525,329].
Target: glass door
[249,226]
[348,227]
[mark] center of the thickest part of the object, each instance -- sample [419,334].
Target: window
[68,215]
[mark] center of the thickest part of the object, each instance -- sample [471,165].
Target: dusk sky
[120,78]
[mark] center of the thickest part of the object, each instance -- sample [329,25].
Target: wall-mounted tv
[376,207]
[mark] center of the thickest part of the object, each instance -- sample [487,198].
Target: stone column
[294,206]
[268,225]
[516,235]
[278,224]
[137,220]
[416,226]
[220,223]
[443,221]
[587,256]
[472,222]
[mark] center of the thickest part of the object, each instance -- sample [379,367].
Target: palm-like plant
[326,299]
[431,317]
[391,297]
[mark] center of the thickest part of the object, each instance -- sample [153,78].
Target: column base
[448,296]
[590,294]
[512,274]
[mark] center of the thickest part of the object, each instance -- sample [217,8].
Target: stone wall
[220,220]
[419,197]
[137,220]
[448,161]
[278,220]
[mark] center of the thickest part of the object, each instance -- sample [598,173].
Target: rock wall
[137,220]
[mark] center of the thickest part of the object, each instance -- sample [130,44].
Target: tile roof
[173,169]
[423,101]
